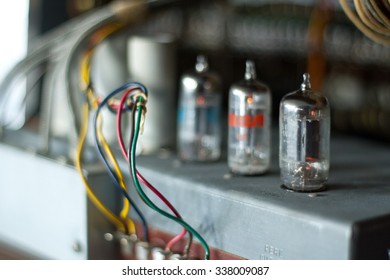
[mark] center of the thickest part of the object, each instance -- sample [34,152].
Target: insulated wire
[100,35]
[316,61]
[108,167]
[140,177]
[126,12]
[126,206]
[381,16]
[364,15]
[371,33]
[40,49]
[132,163]
[120,225]
[85,79]
[29,91]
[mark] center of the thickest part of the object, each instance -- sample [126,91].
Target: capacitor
[199,120]
[304,123]
[249,134]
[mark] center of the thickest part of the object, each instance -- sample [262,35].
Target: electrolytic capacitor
[249,121]
[304,122]
[199,120]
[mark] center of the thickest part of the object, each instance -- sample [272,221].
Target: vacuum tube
[199,120]
[304,139]
[249,121]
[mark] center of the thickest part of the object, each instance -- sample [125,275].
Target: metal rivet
[108,236]
[227,176]
[77,247]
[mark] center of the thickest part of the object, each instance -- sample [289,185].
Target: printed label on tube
[246,121]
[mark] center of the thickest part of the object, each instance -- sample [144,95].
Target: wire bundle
[136,105]
[61,50]
[133,100]
[372,17]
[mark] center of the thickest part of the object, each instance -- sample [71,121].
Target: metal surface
[44,210]
[253,217]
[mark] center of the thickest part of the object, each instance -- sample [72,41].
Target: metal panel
[253,217]
[44,210]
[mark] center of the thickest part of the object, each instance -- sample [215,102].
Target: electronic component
[177,257]
[249,125]
[142,250]
[199,121]
[304,139]
[159,253]
[158,71]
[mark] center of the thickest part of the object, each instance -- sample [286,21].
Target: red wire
[139,175]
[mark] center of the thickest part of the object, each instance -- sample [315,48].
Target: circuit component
[142,250]
[304,122]
[249,125]
[199,120]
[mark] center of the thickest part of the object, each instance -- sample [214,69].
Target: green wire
[145,197]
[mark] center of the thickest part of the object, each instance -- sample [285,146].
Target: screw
[76,247]
[227,176]
[108,236]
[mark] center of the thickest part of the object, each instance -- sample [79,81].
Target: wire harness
[64,50]
[372,17]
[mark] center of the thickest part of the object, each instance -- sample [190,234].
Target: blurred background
[284,38]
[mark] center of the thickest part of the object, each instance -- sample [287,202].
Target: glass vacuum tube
[249,132]
[199,120]
[304,122]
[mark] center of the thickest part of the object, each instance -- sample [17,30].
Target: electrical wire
[94,102]
[40,52]
[103,157]
[29,91]
[126,205]
[366,24]
[316,61]
[85,79]
[123,13]
[368,19]
[141,178]
[119,223]
[132,165]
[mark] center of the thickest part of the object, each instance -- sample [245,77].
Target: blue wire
[108,167]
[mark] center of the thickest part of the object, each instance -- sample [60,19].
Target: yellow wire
[381,39]
[363,13]
[111,157]
[382,17]
[91,195]
[93,100]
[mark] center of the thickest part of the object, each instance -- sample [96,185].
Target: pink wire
[139,175]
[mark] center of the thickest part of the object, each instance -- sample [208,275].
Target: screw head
[76,247]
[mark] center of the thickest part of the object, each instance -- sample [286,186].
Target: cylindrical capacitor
[304,123]
[249,134]
[199,120]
